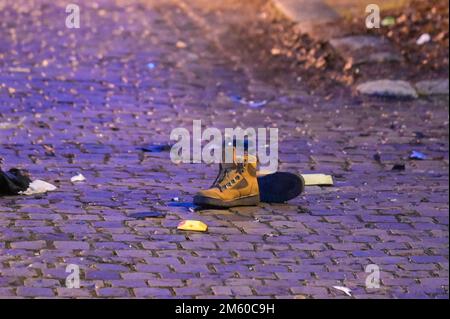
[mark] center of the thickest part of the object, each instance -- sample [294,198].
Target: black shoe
[280,187]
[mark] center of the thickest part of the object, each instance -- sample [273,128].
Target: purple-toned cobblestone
[88,95]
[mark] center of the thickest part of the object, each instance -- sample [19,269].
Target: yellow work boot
[236,185]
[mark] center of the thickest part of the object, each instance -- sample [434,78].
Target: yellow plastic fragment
[192,225]
[318,180]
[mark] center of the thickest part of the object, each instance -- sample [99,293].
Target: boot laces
[228,175]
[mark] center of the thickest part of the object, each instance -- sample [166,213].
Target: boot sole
[280,187]
[213,202]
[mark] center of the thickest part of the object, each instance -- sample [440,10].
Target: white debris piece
[10,125]
[78,178]
[38,187]
[424,38]
[345,290]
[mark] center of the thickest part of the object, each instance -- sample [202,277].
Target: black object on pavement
[13,182]
[280,187]
[148,215]
[156,148]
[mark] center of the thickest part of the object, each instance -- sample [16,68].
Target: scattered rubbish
[419,135]
[78,178]
[318,180]
[377,157]
[157,148]
[180,204]
[13,182]
[38,187]
[250,103]
[19,70]
[192,225]
[345,290]
[399,167]
[151,66]
[175,199]
[423,39]
[275,51]
[388,21]
[417,156]
[9,125]
[146,215]
[181,45]
[49,150]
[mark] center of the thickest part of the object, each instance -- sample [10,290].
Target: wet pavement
[90,101]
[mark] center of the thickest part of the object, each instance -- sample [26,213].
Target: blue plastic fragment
[156,148]
[417,156]
[250,103]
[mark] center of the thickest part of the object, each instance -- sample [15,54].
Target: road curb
[313,17]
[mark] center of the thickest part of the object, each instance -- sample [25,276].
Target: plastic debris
[420,135]
[9,125]
[156,148]
[417,156]
[78,178]
[275,51]
[38,187]
[423,39]
[19,70]
[151,66]
[175,199]
[181,45]
[181,204]
[345,290]
[388,21]
[250,103]
[318,180]
[192,225]
[146,215]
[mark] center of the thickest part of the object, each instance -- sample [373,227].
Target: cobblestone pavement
[88,94]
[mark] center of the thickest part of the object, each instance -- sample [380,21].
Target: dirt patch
[427,61]
[277,49]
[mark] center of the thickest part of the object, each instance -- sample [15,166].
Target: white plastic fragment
[38,187]
[10,125]
[78,178]
[424,38]
[345,290]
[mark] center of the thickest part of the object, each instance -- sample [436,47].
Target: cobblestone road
[88,94]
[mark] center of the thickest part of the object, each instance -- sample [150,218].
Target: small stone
[388,88]
[433,87]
